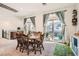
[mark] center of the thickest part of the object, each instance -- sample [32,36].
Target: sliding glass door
[49,30]
[54,29]
[58,34]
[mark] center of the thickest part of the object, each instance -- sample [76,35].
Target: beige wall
[9,23]
[77,7]
[39,22]
[70,29]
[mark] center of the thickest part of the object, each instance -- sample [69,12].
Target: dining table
[32,39]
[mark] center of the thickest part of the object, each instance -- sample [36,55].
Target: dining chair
[28,43]
[39,44]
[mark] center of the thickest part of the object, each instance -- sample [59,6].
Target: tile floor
[7,48]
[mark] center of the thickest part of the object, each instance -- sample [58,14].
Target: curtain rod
[56,11]
[29,17]
[48,13]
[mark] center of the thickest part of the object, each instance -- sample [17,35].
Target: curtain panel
[33,20]
[45,18]
[60,15]
[25,19]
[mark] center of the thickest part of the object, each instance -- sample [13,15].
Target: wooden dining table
[33,38]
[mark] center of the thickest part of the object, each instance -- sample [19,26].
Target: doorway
[54,29]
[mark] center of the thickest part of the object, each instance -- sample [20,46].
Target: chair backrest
[19,34]
[42,38]
[39,36]
[25,39]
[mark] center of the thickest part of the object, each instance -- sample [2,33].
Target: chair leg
[27,50]
[42,46]
[17,46]
[22,49]
[40,51]
[39,48]
[34,48]
[35,52]
[37,45]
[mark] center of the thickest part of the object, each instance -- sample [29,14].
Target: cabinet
[74,44]
[12,35]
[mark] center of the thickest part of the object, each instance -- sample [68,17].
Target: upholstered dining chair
[39,44]
[27,43]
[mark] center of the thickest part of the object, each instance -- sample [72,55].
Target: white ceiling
[31,8]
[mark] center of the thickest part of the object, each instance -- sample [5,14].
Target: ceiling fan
[8,8]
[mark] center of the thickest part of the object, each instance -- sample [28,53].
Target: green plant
[62,50]
[66,43]
[69,51]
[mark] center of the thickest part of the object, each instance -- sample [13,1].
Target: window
[58,29]
[54,28]
[29,26]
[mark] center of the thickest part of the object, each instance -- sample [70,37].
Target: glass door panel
[54,29]
[58,28]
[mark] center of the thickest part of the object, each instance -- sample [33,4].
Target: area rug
[62,50]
